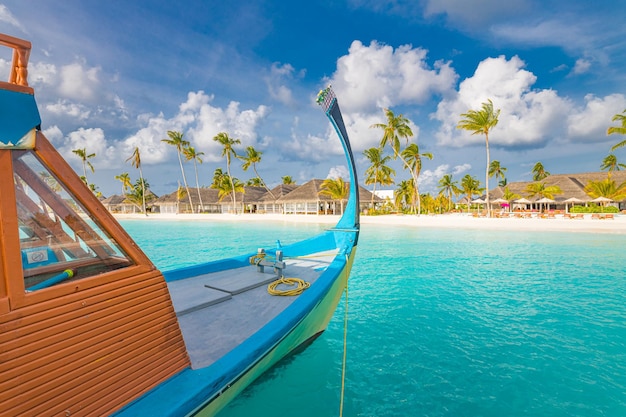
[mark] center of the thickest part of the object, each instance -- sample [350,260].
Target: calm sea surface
[442,322]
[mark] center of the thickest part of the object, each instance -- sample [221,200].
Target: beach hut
[268,202]
[246,202]
[172,204]
[306,199]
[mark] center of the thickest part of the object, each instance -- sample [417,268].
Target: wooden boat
[89,326]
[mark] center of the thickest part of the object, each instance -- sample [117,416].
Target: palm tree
[397,127]
[610,163]
[509,195]
[218,174]
[606,188]
[404,195]
[413,157]
[226,185]
[496,170]
[481,122]
[85,156]
[256,182]
[228,151]
[539,172]
[191,155]
[336,189]
[470,186]
[177,141]
[127,184]
[620,130]
[378,172]
[252,158]
[449,187]
[94,189]
[180,194]
[288,180]
[139,194]
[135,161]
[540,190]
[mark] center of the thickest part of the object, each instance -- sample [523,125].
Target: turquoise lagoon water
[443,322]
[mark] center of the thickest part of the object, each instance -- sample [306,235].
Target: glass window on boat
[59,240]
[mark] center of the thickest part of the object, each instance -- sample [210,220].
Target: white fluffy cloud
[377,76]
[277,80]
[208,121]
[429,179]
[528,117]
[591,122]
[199,122]
[93,141]
[148,140]
[339,171]
[79,83]
[67,108]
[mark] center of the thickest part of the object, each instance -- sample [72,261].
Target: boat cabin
[82,310]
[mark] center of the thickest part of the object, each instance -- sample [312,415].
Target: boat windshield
[59,240]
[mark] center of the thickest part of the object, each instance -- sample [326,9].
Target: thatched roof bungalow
[571,185]
[306,199]
[268,203]
[119,204]
[170,203]
[245,203]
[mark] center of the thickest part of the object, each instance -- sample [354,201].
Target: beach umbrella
[522,201]
[503,203]
[571,200]
[500,201]
[478,201]
[602,200]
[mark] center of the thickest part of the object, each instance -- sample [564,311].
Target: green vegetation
[480,122]
[407,197]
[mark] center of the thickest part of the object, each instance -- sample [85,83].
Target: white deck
[218,311]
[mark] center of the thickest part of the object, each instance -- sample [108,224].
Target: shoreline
[447,221]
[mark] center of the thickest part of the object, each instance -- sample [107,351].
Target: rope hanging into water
[345,349]
[297,286]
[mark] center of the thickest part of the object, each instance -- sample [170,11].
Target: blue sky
[112,75]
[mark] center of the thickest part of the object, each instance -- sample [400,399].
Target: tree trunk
[182,170]
[195,167]
[487,177]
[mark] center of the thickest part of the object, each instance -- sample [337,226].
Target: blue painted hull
[205,391]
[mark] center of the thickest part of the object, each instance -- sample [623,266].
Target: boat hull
[312,325]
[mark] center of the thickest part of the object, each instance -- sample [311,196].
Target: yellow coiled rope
[298,286]
[258,258]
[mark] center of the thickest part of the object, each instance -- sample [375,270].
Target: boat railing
[18,76]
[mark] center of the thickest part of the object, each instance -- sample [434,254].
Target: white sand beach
[454,221]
